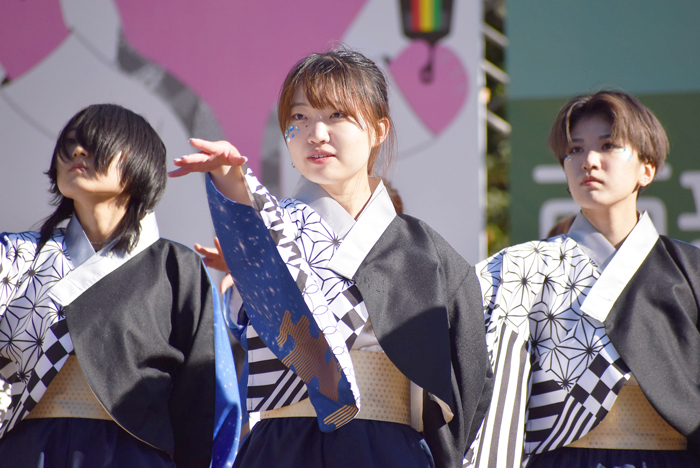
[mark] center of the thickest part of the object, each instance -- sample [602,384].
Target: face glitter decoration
[289,133]
[603,173]
[617,150]
[623,150]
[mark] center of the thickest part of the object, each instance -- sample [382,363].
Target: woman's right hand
[215,157]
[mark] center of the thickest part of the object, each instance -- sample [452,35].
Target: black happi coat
[148,352]
[143,334]
[429,328]
[654,327]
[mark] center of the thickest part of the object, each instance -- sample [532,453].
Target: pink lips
[589,180]
[78,167]
[320,157]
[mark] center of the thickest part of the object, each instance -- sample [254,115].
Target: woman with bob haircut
[363,327]
[107,331]
[594,334]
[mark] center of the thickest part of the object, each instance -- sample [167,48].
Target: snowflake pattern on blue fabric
[306,244]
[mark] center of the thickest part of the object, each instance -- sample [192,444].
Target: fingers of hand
[206,145]
[217,148]
[197,162]
[195,158]
[206,251]
[179,172]
[212,257]
[235,159]
[226,283]
[222,149]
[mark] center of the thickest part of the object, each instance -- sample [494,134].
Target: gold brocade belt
[384,391]
[632,424]
[69,396]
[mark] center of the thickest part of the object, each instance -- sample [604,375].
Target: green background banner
[559,49]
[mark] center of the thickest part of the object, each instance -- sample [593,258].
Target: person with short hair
[107,331]
[594,334]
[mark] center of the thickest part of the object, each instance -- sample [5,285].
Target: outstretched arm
[222,161]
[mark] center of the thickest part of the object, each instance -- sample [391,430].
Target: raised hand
[214,258]
[214,156]
[218,158]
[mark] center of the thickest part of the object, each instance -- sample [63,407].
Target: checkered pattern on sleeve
[34,339]
[306,244]
[536,291]
[5,398]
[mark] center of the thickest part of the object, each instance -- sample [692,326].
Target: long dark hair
[106,131]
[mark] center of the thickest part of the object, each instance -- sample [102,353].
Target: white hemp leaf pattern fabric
[34,339]
[533,294]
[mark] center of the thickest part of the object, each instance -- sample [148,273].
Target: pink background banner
[213,69]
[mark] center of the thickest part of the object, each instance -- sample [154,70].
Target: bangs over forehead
[330,89]
[106,132]
[631,123]
[102,131]
[109,131]
[349,82]
[329,81]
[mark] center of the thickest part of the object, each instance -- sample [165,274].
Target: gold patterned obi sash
[384,390]
[632,424]
[69,396]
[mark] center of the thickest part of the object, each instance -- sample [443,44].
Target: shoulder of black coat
[444,250]
[179,252]
[679,247]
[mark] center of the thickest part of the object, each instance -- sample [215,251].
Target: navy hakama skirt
[298,442]
[614,458]
[76,443]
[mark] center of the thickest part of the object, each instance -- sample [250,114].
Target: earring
[293,165]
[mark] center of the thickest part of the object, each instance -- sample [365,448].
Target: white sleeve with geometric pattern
[501,435]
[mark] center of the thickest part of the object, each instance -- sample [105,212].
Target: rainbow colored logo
[426,16]
[428,20]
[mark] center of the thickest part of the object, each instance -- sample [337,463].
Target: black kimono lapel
[424,304]
[654,327]
[154,338]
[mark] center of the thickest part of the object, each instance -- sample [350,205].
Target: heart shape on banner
[438,101]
